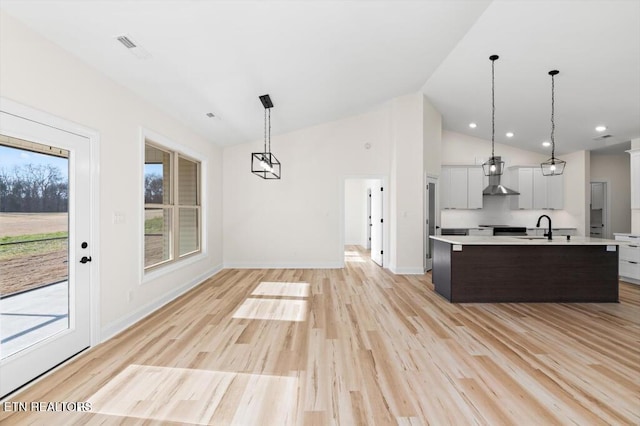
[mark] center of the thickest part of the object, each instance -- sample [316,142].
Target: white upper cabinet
[521,181]
[475,185]
[635,178]
[461,187]
[555,191]
[537,192]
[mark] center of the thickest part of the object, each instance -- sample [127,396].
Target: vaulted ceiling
[325,60]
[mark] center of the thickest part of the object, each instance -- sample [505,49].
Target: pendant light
[494,166]
[553,166]
[265,164]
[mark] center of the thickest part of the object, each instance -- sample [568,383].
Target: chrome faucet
[548,234]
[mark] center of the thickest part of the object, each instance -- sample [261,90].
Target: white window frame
[177,151]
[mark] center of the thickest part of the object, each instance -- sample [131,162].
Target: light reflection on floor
[356,256]
[273,309]
[285,303]
[193,396]
[266,288]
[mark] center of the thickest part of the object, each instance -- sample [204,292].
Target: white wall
[616,171]
[577,189]
[297,221]
[459,149]
[39,74]
[407,171]
[432,138]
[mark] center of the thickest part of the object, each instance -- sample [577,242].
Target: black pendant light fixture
[265,164]
[494,166]
[553,166]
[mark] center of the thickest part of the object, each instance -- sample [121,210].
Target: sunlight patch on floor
[191,396]
[282,289]
[273,309]
[354,256]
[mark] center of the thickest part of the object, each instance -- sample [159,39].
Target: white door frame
[44,118]
[385,213]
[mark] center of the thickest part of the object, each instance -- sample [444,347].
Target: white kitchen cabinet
[445,187]
[562,232]
[537,192]
[629,258]
[555,192]
[461,187]
[475,185]
[485,232]
[458,188]
[635,178]
[521,181]
[539,189]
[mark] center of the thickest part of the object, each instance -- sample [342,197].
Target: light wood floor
[354,346]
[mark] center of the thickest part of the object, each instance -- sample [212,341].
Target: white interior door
[377,224]
[47,324]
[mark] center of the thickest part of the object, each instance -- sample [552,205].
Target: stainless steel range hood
[496,188]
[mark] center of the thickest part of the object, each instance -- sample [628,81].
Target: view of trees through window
[33,188]
[34,203]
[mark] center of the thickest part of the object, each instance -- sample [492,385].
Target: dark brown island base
[519,269]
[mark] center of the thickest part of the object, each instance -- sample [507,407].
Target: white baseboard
[629,280]
[117,326]
[251,265]
[407,271]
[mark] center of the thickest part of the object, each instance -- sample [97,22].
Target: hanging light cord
[493,108]
[269,129]
[265,131]
[553,123]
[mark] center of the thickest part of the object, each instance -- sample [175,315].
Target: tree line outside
[33,188]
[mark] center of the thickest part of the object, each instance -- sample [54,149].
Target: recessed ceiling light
[601,128]
[473,125]
[546,143]
[509,134]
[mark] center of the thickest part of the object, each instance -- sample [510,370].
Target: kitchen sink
[532,238]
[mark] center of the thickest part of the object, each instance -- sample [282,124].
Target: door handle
[85,259]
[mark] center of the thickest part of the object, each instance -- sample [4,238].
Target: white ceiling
[324,60]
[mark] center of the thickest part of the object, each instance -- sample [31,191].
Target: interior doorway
[599,214]
[363,216]
[431,219]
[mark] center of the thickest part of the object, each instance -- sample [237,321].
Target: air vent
[126,41]
[135,49]
[602,138]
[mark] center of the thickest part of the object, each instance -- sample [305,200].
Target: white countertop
[523,241]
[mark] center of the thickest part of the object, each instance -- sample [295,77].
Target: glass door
[45,249]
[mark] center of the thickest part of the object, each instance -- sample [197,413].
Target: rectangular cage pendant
[265,165]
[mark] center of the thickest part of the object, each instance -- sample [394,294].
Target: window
[172,207]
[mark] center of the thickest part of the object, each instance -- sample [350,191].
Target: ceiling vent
[132,47]
[126,41]
[602,138]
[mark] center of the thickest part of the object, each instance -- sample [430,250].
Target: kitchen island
[487,269]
